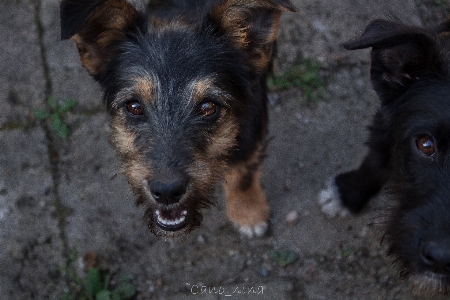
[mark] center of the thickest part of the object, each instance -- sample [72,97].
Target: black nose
[436,255]
[168,191]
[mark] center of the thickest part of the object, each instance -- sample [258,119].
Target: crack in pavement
[52,141]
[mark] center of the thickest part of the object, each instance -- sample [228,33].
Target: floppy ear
[252,26]
[94,25]
[400,55]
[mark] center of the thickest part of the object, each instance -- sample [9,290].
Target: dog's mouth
[174,220]
[171,219]
[430,283]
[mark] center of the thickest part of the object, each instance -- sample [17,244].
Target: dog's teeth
[170,222]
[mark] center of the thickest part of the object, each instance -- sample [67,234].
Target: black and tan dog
[409,148]
[185,83]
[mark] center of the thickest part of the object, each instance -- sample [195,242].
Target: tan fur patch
[236,18]
[245,207]
[264,55]
[224,139]
[246,202]
[136,171]
[89,55]
[201,89]
[211,168]
[106,25]
[122,138]
[230,14]
[204,175]
[144,88]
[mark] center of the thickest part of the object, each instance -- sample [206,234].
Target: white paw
[257,230]
[330,201]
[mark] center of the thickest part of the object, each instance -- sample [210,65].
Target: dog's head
[410,73]
[178,80]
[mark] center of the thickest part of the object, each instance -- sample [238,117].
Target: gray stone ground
[59,199]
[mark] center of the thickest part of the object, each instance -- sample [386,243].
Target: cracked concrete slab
[64,64]
[31,257]
[22,81]
[99,198]
[337,258]
[319,28]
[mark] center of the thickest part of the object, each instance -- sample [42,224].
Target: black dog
[185,83]
[409,147]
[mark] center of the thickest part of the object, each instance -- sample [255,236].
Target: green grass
[347,252]
[305,76]
[55,115]
[283,257]
[96,285]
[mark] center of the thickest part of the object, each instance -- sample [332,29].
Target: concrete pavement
[61,198]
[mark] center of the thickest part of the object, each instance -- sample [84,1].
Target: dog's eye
[134,108]
[208,109]
[425,144]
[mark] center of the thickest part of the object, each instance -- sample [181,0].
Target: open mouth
[430,283]
[171,219]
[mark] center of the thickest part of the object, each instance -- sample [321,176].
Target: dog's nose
[436,255]
[168,191]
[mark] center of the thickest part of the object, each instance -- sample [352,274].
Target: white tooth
[170,222]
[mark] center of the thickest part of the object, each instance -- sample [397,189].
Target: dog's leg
[350,192]
[246,202]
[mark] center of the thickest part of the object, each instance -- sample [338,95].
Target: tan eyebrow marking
[144,88]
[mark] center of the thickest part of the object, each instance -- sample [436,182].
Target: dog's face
[174,100]
[410,73]
[419,228]
[179,87]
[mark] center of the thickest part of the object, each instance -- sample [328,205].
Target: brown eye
[425,144]
[208,109]
[135,108]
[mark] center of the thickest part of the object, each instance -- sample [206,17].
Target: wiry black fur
[410,73]
[182,56]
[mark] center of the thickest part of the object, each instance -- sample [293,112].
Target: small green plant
[96,285]
[283,257]
[55,115]
[304,76]
[346,252]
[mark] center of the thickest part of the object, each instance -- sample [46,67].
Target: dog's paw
[330,201]
[257,230]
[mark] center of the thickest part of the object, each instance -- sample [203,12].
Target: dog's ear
[94,26]
[252,26]
[400,55]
